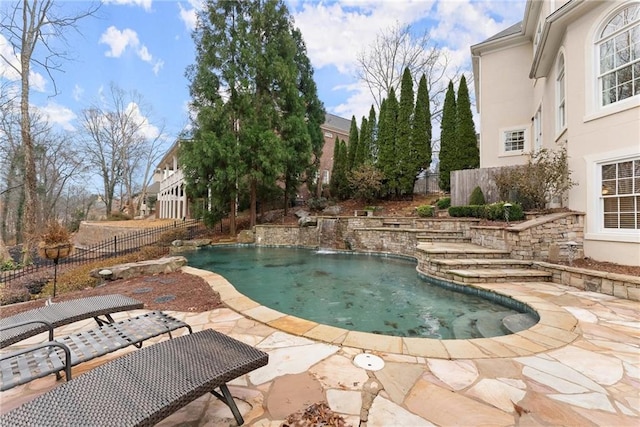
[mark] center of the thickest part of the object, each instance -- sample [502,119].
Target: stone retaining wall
[537,240]
[618,285]
[542,238]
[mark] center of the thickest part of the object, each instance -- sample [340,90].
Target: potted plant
[56,242]
[55,245]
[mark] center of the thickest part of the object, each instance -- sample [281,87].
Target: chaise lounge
[146,386]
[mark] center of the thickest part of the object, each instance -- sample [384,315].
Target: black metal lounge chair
[64,313]
[145,386]
[56,355]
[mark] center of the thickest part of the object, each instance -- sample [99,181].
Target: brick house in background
[568,75]
[333,126]
[172,200]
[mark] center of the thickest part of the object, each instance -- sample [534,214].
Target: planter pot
[55,251]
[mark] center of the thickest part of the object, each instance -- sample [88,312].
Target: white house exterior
[172,199]
[569,75]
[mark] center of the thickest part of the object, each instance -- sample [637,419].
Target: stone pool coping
[556,327]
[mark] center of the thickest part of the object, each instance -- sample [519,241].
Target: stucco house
[569,75]
[172,200]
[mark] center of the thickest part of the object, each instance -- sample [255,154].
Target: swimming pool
[362,292]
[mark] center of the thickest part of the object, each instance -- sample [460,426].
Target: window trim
[595,223]
[561,83]
[597,109]
[502,134]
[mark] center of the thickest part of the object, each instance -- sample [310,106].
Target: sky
[146,46]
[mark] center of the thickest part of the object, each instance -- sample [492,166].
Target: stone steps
[469,263]
[485,275]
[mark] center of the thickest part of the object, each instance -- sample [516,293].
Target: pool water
[361,292]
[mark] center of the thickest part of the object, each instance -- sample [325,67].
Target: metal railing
[109,248]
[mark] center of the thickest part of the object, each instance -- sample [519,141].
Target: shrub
[118,216]
[444,203]
[493,211]
[169,236]
[425,211]
[545,176]
[477,197]
[365,183]
[317,203]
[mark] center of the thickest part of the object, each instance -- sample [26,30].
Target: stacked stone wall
[540,239]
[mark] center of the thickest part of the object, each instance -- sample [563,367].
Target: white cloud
[189,15]
[146,129]
[158,66]
[145,4]
[77,93]
[118,41]
[10,67]
[58,114]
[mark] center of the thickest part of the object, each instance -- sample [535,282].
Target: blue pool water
[369,293]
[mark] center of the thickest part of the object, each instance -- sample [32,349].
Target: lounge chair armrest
[67,354]
[28,322]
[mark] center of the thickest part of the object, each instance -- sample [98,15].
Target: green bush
[492,212]
[317,203]
[444,203]
[477,197]
[425,211]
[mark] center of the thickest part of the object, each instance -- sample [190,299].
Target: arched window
[561,120]
[619,56]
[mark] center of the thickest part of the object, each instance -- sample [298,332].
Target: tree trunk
[232,217]
[253,204]
[29,219]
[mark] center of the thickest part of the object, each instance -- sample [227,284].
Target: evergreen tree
[335,169]
[299,166]
[448,149]
[467,141]
[364,147]
[421,129]
[353,144]
[405,172]
[251,49]
[342,172]
[373,131]
[387,155]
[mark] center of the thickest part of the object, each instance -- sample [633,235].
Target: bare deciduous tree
[27,24]
[396,48]
[119,142]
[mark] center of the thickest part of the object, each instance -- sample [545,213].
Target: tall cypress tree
[405,172]
[387,129]
[469,155]
[335,169]
[421,136]
[353,144]
[364,147]
[373,131]
[448,148]
[343,163]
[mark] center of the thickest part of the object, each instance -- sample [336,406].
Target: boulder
[246,236]
[332,210]
[301,213]
[142,268]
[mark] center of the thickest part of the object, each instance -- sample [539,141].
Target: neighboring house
[569,75]
[172,201]
[333,126]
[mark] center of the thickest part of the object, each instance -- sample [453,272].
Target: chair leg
[227,399]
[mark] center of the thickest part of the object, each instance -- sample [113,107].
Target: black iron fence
[115,246]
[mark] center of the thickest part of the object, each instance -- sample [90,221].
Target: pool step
[499,275]
[480,325]
[442,236]
[453,250]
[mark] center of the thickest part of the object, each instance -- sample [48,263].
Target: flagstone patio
[580,365]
